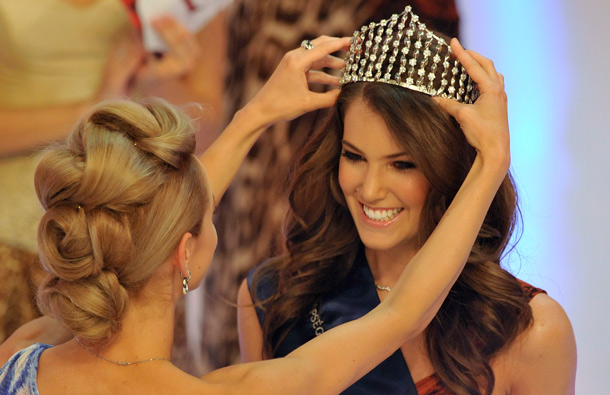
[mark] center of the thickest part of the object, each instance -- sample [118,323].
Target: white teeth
[381,215]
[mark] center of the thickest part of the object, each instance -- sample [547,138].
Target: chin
[385,242]
[377,244]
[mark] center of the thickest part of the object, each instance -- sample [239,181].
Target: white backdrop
[555,56]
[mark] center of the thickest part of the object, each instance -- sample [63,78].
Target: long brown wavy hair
[486,308]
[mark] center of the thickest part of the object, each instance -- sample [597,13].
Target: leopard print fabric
[249,216]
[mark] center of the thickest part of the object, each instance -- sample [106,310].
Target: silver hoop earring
[185,282]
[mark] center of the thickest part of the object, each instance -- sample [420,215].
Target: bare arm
[331,362]
[248,327]
[23,129]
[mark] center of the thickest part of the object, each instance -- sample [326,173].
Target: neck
[387,265]
[147,330]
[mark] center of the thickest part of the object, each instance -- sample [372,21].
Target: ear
[184,253]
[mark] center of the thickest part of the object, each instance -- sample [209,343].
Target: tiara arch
[412,56]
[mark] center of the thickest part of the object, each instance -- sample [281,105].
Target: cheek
[414,191]
[420,191]
[346,177]
[341,178]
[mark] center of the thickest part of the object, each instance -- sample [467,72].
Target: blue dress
[354,299]
[18,375]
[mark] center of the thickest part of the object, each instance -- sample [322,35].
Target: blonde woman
[59,57]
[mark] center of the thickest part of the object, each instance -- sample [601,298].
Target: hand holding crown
[484,123]
[286,95]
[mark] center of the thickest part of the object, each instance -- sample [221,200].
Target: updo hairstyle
[118,194]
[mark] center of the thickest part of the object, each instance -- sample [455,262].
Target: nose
[373,185]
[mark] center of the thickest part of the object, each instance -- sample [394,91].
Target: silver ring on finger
[307,44]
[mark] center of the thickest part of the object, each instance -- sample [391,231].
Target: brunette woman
[368,192]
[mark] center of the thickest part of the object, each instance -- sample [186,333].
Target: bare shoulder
[551,329]
[243,295]
[544,356]
[549,316]
[40,330]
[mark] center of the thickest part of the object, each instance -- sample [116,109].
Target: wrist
[254,117]
[495,158]
[491,167]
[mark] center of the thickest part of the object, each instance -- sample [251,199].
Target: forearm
[32,128]
[342,355]
[325,365]
[224,157]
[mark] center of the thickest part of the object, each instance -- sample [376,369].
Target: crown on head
[402,51]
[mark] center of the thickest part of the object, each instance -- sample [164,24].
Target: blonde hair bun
[114,194]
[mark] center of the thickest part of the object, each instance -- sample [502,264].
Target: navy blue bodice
[356,297]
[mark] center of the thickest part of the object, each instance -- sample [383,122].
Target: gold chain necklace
[118,362]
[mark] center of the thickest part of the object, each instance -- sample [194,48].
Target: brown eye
[404,165]
[352,157]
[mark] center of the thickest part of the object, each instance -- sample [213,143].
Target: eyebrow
[391,156]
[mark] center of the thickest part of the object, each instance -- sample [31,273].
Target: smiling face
[383,188]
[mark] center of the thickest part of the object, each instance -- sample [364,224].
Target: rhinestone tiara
[402,51]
